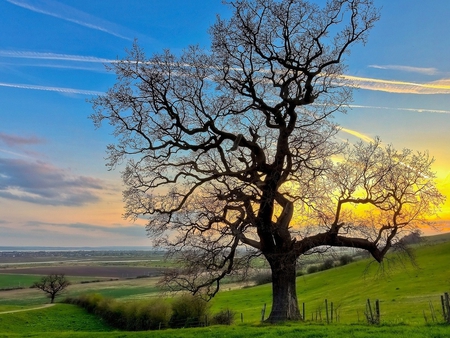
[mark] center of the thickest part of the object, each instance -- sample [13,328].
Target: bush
[89,302]
[188,311]
[153,315]
[312,269]
[263,278]
[345,259]
[328,264]
[133,316]
[299,273]
[224,317]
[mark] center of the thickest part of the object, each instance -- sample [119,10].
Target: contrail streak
[415,110]
[402,87]
[52,89]
[53,56]
[67,13]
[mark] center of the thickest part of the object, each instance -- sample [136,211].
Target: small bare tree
[52,284]
[232,151]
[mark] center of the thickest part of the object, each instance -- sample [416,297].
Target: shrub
[299,273]
[224,317]
[153,314]
[133,316]
[345,259]
[188,311]
[312,269]
[89,301]
[328,264]
[263,278]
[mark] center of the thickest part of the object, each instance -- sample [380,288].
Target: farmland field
[88,271]
[408,293]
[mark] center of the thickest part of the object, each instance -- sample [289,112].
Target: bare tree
[52,284]
[234,148]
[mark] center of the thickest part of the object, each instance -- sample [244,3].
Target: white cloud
[42,183]
[399,87]
[420,70]
[52,89]
[392,86]
[357,134]
[67,13]
[415,110]
[53,56]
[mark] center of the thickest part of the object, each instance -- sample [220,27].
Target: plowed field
[89,271]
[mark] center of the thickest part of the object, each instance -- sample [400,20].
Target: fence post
[331,309]
[326,310]
[447,307]
[377,310]
[304,313]
[242,317]
[369,308]
[263,312]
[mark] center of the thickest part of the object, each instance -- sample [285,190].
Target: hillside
[404,288]
[405,291]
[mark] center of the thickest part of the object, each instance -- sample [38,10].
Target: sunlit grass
[65,320]
[404,290]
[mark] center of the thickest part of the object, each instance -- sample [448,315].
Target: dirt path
[34,308]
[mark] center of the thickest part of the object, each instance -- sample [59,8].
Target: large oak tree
[233,148]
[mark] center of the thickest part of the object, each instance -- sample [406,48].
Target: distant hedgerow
[189,311]
[133,316]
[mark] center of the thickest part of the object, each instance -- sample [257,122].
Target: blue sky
[54,186]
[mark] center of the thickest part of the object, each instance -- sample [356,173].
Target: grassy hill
[404,289]
[405,292]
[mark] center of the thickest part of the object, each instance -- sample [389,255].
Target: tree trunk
[284,291]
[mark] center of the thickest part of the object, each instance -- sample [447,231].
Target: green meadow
[405,290]
[408,295]
[64,320]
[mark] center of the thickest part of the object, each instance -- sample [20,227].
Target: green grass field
[17,281]
[405,292]
[70,321]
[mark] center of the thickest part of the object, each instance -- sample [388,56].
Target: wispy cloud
[62,90]
[17,145]
[409,69]
[53,60]
[52,56]
[400,87]
[131,230]
[67,13]
[414,110]
[41,233]
[42,183]
[391,86]
[358,135]
[16,140]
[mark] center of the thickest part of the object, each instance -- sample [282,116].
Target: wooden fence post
[326,310]
[447,307]
[369,311]
[263,312]
[377,310]
[331,308]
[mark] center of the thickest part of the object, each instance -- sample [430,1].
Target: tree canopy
[234,148]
